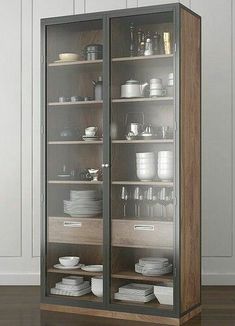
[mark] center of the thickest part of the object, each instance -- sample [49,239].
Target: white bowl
[145,175]
[97,286]
[145,155]
[144,169]
[165,154]
[165,174]
[69,261]
[168,165]
[150,167]
[145,159]
[68,56]
[168,160]
[164,294]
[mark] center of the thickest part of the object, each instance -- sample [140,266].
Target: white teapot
[133,88]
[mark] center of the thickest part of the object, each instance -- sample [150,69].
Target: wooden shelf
[85,103]
[142,99]
[131,275]
[144,183]
[75,142]
[75,63]
[143,58]
[73,272]
[96,217]
[153,304]
[75,182]
[85,297]
[143,141]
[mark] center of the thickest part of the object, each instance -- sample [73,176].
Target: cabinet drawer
[143,234]
[75,230]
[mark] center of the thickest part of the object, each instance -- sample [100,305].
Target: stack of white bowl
[170,85]
[97,286]
[165,165]
[145,165]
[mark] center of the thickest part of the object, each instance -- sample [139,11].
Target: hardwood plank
[190,161]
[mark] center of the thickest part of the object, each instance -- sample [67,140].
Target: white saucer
[59,266]
[92,268]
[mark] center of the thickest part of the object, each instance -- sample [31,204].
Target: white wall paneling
[10,126]
[92,5]
[131,3]
[20,126]
[216,126]
[79,6]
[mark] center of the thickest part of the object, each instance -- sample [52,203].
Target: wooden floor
[19,306]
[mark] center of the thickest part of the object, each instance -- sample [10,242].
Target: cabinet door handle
[143,227]
[105,165]
[72,224]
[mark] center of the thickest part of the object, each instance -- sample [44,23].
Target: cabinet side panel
[190,161]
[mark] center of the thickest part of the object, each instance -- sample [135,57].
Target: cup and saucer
[90,134]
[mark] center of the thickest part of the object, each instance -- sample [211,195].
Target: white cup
[91,131]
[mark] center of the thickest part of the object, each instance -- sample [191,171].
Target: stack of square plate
[74,286]
[135,292]
[153,266]
[83,203]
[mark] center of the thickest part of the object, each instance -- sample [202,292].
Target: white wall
[20,127]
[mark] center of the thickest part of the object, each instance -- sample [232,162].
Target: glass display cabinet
[121,164]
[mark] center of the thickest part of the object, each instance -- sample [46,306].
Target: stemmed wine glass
[138,197]
[124,198]
[164,199]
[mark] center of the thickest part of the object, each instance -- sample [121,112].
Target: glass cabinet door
[74,129]
[142,160]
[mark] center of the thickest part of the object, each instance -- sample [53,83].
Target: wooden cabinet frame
[187,233]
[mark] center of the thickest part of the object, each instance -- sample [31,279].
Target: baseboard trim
[20,279]
[218,279]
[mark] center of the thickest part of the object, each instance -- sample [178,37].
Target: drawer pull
[143,227]
[72,224]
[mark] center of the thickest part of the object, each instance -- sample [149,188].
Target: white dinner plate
[92,268]
[59,266]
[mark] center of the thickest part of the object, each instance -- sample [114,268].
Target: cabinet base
[122,315]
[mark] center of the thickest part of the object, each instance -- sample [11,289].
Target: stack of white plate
[135,292]
[145,166]
[153,266]
[165,165]
[85,203]
[164,294]
[74,286]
